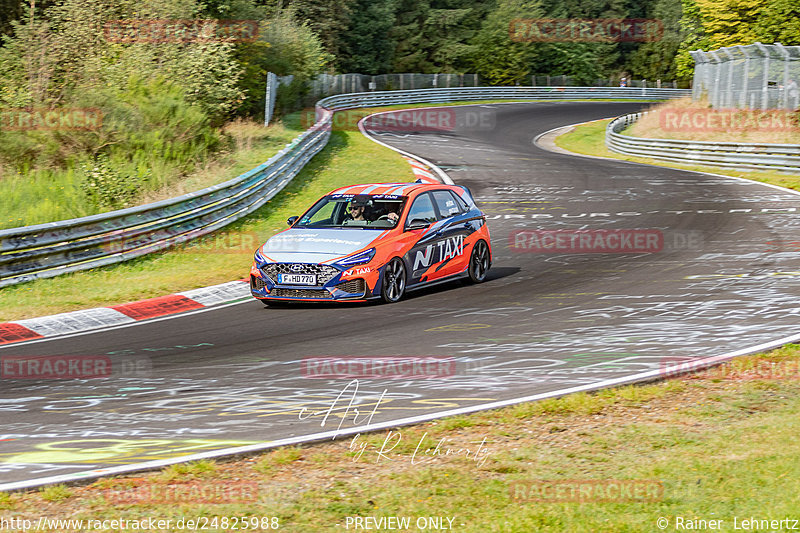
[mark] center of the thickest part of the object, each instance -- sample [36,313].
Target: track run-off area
[723,279]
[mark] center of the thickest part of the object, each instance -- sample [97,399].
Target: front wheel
[479,262]
[394,281]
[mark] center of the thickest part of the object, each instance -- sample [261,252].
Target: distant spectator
[623,82]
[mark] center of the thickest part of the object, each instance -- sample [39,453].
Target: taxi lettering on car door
[440,251]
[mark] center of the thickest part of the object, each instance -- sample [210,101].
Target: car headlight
[259,259]
[358,259]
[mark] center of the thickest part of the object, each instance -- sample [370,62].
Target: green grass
[719,449]
[45,195]
[589,139]
[55,493]
[183,471]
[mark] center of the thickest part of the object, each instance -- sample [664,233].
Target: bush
[108,188]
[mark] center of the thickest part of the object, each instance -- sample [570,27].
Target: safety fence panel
[756,76]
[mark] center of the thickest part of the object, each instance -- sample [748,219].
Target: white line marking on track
[314,437]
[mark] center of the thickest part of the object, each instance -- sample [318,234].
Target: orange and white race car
[374,241]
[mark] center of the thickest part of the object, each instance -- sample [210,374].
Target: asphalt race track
[726,277]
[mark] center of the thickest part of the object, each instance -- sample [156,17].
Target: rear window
[447,204]
[422,209]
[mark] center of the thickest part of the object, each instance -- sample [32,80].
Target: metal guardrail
[47,250]
[783,157]
[458,94]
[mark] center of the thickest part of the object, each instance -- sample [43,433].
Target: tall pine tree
[368,45]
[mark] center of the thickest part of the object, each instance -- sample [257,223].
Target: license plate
[297,279]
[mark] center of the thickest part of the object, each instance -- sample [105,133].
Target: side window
[461,202]
[422,208]
[446,203]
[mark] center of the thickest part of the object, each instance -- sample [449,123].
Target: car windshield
[367,211]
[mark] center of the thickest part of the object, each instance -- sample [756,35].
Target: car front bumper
[339,286]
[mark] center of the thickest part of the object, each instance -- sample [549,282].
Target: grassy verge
[720,444]
[46,195]
[589,139]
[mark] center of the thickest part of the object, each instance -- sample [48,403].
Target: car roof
[400,189]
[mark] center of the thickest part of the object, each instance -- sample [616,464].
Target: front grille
[353,286]
[324,273]
[256,283]
[299,293]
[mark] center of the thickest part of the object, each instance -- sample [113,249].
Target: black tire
[479,262]
[393,286]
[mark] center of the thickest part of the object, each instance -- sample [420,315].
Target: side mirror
[292,220]
[417,223]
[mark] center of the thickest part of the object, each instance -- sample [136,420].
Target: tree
[500,58]
[10,10]
[330,20]
[410,53]
[730,22]
[656,60]
[368,45]
[779,22]
[284,47]
[712,24]
[435,36]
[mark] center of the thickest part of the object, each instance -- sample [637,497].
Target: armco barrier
[47,250]
[783,157]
